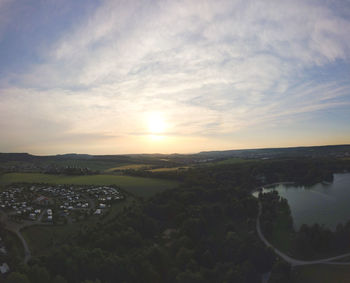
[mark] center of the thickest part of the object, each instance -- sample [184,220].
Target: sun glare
[156,123]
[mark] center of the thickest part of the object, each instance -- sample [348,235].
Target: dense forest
[203,231]
[253,173]
[310,241]
[183,235]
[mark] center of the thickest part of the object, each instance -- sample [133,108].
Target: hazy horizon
[166,153]
[124,77]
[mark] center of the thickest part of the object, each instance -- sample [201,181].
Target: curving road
[16,228]
[293,261]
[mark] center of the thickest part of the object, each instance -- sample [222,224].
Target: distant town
[27,205]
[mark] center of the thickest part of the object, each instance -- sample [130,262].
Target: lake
[327,204]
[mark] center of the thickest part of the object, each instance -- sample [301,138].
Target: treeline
[74,171]
[192,235]
[315,239]
[39,168]
[275,212]
[310,241]
[255,173]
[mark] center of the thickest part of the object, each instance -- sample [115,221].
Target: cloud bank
[217,69]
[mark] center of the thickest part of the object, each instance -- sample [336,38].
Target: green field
[144,187]
[321,273]
[166,169]
[130,166]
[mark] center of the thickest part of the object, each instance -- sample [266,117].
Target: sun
[156,123]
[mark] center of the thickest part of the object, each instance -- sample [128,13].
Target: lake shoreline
[323,203]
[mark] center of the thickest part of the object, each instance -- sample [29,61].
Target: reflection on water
[326,204]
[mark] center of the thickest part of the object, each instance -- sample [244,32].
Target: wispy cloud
[214,67]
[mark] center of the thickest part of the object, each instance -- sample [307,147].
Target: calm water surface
[326,204]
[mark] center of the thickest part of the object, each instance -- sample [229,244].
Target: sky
[114,77]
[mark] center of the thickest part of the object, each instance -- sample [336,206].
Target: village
[60,203]
[25,205]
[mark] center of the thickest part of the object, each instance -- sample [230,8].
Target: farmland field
[166,169]
[129,166]
[144,187]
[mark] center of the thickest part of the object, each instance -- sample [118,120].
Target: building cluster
[65,199]
[104,196]
[16,200]
[40,202]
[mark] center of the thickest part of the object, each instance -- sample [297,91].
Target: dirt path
[293,261]
[27,253]
[16,228]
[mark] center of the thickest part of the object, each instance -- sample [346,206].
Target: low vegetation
[321,273]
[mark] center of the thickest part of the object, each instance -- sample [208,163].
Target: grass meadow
[142,187]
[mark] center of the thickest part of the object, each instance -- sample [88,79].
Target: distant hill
[74,156]
[18,157]
[309,151]
[292,152]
